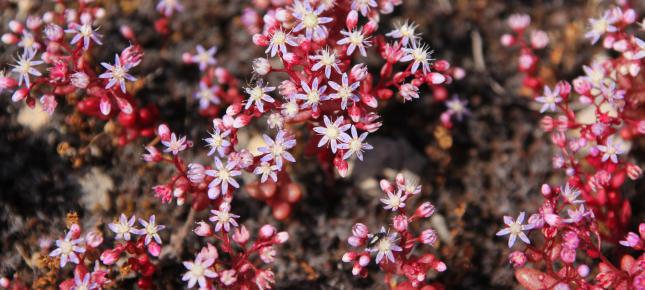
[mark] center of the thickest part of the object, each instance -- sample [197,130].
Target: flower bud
[364,260]
[94,239]
[267,231]
[539,39]
[281,237]
[348,257]
[546,190]
[634,171]
[519,22]
[354,113]
[261,66]
[568,255]
[507,40]
[351,20]
[132,55]
[400,223]
[109,257]
[163,132]
[428,237]
[54,32]
[154,249]
[358,72]
[20,95]
[80,80]
[203,229]
[360,230]
[241,235]
[196,173]
[9,38]
[517,259]
[355,241]
[570,240]
[425,210]
[583,270]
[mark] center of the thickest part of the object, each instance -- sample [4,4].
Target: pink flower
[68,249]
[394,201]
[85,32]
[515,228]
[117,74]
[309,19]
[198,271]
[420,55]
[150,230]
[384,244]
[332,133]
[223,218]
[224,175]
[123,228]
[175,145]
[355,39]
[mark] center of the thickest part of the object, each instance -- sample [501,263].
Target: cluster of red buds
[217,86]
[238,267]
[569,247]
[94,267]
[393,248]
[62,40]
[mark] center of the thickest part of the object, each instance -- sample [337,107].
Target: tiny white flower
[123,228]
[332,133]
[68,250]
[25,66]
[515,228]
[355,145]
[344,91]
[355,39]
[257,95]
[205,57]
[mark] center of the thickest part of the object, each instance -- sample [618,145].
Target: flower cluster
[318,49]
[53,65]
[238,267]
[392,248]
[94,266]
[569,239]
[217,86]
[596,115]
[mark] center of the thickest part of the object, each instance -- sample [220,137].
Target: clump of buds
[569,240]
[592,151]
[53,66]
[239,263]
[327,95]
[94,265]
[393,248]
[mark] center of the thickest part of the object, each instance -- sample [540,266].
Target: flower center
[257,93]
[66,247]
[279,38]
[310,20]
[332,132]
[197,270]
